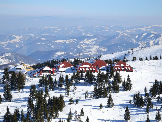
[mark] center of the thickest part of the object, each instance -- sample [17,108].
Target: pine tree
[61,80]
[71,101]
[150,57]
[110,101]
[13,81]
[115,86]
[76,101]
[67,84]
[147,108]
[51,84]
[46,91]
[61,103]
[87,120]
[20,81]
[89,76]
[145,90]
[124,85]
[141,102]
[101,106]
[8,116]
[128,84]
[118,77]
[82,112]
[30,106]
[55,83]
[148,120]
[69,116]
[6,77]
[33,92]
[0,99]
[109,88]
[158,116]
[127,114]
[86,94]
[111,71]
[16,115]
[41,81]
[27,119]
[22,116]
[7,93]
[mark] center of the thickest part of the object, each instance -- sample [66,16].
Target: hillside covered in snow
[152,51]
[80,99]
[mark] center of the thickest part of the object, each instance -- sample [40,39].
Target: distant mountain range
[56,42]
[13,58]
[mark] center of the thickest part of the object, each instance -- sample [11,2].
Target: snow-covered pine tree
[0,99]
[87,120]
[22,118]
[67,87]
[82,112]
[110,101]
[7,93]
[128,83]
[20,81]
[8,116]
[6,77]
[158,116]
[14,81]
[148,120]
[115,86]
[16,115]
[69,116]
[101,106]
[61,81]
[51,83]
[127,114]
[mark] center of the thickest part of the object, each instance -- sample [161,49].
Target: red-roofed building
[64,65]
[122,66]
[45,71]
[99,64]
[84,67]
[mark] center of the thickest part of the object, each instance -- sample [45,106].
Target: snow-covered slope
[146,52]
[144,74]
[152,51]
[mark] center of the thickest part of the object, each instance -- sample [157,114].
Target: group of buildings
[67,68]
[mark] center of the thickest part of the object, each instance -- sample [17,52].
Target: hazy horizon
[19,14]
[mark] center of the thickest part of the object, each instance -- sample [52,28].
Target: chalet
[27,67]
[23,68]
[18,68]
[84,67]
[122,66]
[44,72]
[100,65]
[64,65]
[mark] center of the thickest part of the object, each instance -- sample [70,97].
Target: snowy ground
[145,73]
[152,51]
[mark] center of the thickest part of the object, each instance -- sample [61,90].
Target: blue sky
[81,7]
[120,11]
